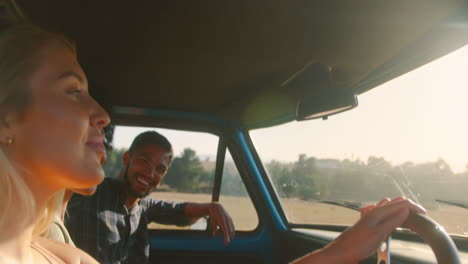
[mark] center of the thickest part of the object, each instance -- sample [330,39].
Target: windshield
[408,137]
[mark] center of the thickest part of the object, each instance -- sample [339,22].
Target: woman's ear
[7,124]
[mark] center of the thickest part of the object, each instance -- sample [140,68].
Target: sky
[420,116]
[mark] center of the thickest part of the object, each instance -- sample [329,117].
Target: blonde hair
[20,47]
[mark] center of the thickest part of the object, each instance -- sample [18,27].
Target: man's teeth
[140,180]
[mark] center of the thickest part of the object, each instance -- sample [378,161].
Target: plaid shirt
[102,225]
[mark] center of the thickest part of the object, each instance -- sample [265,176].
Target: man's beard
[129,188]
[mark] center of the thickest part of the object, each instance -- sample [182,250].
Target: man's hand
[219,218]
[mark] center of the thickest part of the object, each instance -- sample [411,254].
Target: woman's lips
[97,145]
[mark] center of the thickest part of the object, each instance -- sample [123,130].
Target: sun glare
[420,116]
[416,121]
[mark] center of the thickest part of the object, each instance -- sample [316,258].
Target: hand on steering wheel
[378,221]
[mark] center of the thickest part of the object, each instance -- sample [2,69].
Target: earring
[10,140]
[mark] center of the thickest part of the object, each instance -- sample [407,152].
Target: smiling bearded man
[112,224]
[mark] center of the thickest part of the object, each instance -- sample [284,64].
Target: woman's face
[58,138]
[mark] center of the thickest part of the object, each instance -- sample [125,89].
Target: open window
[192,175]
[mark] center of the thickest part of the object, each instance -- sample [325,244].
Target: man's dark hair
[150,138]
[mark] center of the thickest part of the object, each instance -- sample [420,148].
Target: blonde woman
[50,139]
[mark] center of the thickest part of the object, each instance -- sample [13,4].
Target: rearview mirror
[324,105]
[318,94]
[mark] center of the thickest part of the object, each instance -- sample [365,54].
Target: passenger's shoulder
[153,202]
[149,202]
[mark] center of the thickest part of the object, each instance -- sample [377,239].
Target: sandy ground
[454,219]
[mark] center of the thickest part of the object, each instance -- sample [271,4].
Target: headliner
[229,58]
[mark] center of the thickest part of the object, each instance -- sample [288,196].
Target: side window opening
[191,175]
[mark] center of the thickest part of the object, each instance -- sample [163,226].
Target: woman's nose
[99,117]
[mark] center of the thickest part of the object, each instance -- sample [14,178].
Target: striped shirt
[102,225]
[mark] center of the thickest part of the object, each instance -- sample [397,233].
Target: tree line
[310,178]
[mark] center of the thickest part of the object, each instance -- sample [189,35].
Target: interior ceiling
[219,57]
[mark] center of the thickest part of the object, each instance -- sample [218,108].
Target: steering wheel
[436,237]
